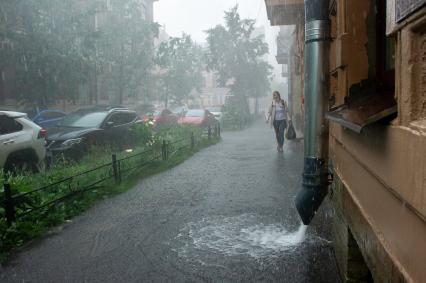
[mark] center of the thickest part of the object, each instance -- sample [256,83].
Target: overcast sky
[195,16]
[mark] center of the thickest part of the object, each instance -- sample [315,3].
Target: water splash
[274,237]
[243,235]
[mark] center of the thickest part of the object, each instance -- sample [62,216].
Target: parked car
[22,142]
[48,118]
[180,110]
[79,130]
[217,112]
[144,110]
[163,118]
[198,117]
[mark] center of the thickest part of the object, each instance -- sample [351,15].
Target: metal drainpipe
[315,175]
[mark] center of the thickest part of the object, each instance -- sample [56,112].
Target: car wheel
[19,166]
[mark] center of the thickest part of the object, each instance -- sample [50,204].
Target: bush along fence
[17,207]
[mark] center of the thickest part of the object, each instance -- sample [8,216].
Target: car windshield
[178,110]
[214,109]
[81,119]
[195,113]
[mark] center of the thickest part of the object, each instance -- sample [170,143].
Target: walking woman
[277,116]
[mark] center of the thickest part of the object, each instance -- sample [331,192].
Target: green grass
[37,223]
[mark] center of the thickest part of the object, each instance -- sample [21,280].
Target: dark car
[199,118]
[79,130]
[48,118]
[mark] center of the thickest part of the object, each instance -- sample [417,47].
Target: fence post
[115,168]
[192,140]
[9,206]
[163,150]
[209,132]
[119,170]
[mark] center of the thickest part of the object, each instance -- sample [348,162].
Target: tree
[181,61]
[54,46]
[236,55]
[43,48]
[126,47]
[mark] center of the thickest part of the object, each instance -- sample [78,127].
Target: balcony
[284,71]
[282,58]
[283,48]
[285,12]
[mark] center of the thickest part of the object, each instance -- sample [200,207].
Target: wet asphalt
[218,217]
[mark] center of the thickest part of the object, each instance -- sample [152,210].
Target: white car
[22,142]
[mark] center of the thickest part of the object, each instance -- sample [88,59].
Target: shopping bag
[291,133]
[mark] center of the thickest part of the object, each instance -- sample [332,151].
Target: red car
[162,118]
[198,117]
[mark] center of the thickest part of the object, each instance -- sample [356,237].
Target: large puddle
[244,235]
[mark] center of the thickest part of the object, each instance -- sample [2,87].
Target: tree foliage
[181,61]
[126,48]
[237,55]
[51,47]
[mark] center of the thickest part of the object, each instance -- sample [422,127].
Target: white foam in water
[241,235]
[275,237]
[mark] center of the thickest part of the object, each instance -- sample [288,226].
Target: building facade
[377,137]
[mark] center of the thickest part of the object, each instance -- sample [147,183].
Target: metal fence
[18,206]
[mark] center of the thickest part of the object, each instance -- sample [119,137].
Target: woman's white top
[280,112]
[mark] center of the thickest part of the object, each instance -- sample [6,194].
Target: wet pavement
[224,215]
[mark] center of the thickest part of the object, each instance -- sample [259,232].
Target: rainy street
[224,215]
[134,148]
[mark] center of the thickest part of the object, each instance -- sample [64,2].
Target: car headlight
[71,142]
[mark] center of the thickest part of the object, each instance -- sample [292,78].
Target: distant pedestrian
[277,116]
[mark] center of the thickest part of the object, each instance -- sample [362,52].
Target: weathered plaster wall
[348,214]
[380,191]
[411,74]
[350,45]
[387,179]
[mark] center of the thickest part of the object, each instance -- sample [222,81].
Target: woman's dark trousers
[280,126]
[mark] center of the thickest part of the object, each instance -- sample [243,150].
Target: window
[115,118]
[143,11]
[108,5]
[122,118]
[52,115]
[372,99]
[195,113]
[128,117]
[165,112]
[81,119]
[385,52]
[9,125]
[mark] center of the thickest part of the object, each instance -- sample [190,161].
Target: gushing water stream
[240,235]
